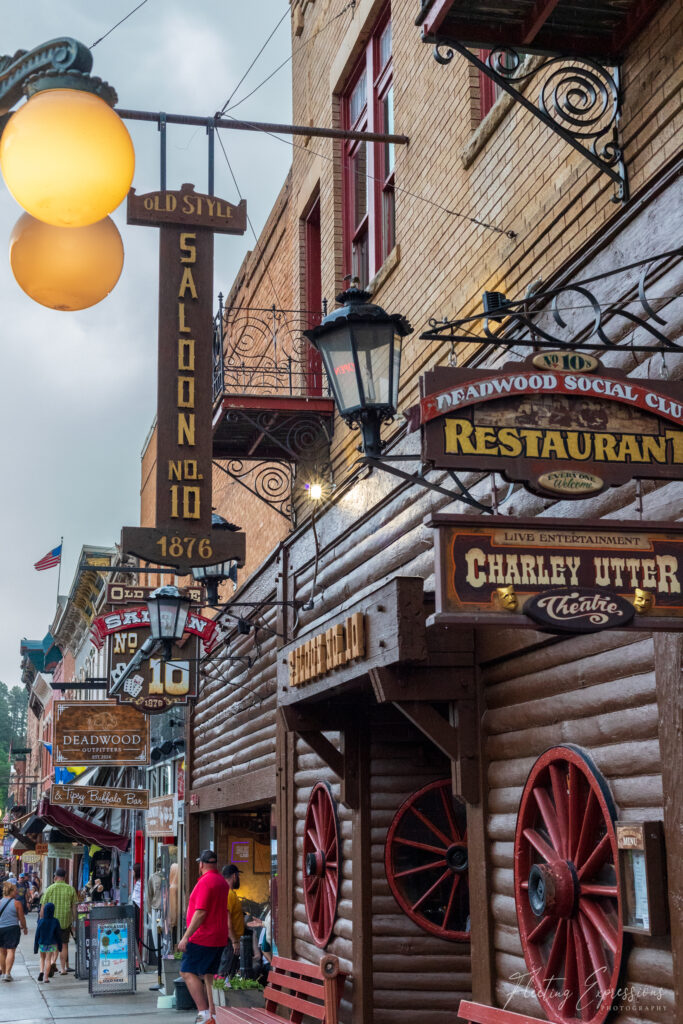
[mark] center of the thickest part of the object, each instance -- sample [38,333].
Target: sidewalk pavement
[28,1001]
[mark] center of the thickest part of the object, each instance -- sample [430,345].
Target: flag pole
[59,566]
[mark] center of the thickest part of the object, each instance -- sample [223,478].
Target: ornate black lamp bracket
[580,100]
[270,482]
[64,62]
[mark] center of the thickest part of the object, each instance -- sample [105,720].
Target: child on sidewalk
[48,942]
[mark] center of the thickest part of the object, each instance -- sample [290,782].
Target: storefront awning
[80,829]
[34,825]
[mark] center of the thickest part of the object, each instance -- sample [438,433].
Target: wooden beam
[242,788]
[465,768]
[536,19]
[418,682]
[311,729]
[433,725]
[668,667]
[358,733]
[350,779]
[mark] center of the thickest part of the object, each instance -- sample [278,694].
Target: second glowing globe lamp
[66,268]
[67,157]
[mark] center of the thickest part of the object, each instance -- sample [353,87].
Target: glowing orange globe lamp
[67,157]
[66,268]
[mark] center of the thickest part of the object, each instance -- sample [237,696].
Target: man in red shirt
[207,927]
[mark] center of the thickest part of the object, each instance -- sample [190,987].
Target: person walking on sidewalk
[48,941]
[207,926]
[65,898]
[12,924]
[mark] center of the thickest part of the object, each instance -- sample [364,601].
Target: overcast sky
[79,389]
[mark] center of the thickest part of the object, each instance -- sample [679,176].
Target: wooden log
[623,692]
[502,854]
[507,940]
[618,759]
[418,981]
[397,963]
[502,643]
[503,909]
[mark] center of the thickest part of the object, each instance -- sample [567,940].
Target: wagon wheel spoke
[420,868]
[431,890]
[597,918]
[549,819]
[570,983]
[450,816]
[312,838]
[451,899]
[599,890]
[597,858]
[598,962]
[431,826]
[588,827]
[587,990]
[542,928]
[575,781]
[539,844]
[558,780]
[418,846]
[556,951]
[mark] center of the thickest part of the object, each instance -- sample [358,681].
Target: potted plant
[170,968]
[244,992]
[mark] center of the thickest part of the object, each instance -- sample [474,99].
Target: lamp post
[168,611]
[360,345]
[212,575]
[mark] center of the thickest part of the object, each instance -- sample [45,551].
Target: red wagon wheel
[425,858]
[321,863]
[567,887]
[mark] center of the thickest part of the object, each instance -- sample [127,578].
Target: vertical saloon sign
[183,537]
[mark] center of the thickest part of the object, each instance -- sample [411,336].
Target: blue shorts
[201,960]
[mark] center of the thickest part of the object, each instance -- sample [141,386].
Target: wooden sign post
[183,537]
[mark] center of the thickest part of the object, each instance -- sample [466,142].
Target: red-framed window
[489,91]
[314,299]
[368,168]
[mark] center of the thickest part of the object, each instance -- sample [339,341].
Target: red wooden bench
[478,1013]
[297,988]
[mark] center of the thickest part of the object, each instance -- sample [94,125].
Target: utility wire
[130,13]
[227,102]
[349,6]
[371,177]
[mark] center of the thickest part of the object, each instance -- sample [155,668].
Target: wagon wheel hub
[553,889]
[456,858]
[315,864]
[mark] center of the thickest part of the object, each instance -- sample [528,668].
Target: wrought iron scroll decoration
[520,315]
[271,482]
[57,56]
[580,100]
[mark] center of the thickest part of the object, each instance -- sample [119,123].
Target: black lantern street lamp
[360,346]
[212,575]
[167,616]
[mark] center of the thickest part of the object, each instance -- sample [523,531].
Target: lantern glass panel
[337,354]
[376,362]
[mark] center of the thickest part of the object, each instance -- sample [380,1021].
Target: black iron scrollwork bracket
[507,323]
[579,100]
[386,463]
[64,60]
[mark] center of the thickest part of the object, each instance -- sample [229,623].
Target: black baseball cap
[207,857]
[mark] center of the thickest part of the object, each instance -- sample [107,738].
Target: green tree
[13,714]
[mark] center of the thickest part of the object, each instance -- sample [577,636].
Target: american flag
[49,560]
